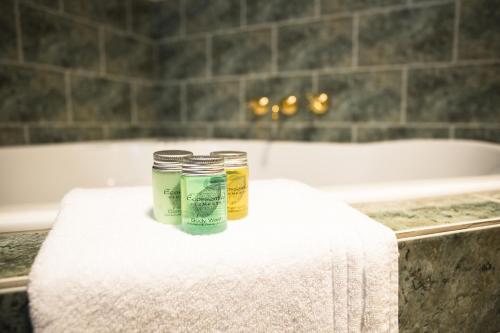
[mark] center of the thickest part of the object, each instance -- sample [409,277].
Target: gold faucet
[289,105]
[318,104]
[260,106]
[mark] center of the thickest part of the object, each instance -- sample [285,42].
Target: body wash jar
[203,191]
[167,167]
[236,166]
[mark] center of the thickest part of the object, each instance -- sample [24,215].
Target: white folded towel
[300,262]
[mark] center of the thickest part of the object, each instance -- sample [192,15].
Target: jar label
[204,201]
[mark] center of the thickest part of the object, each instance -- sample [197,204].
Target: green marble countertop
[18,251]
[436,211]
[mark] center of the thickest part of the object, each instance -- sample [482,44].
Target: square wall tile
[97,99]
[336,6]
[109,12]
[158,103]
[56,40]
[27,95]
[51,134]
[406,36]
[483,134]
[8,46]
[363,97]
[459,94]
[277,89]
[212,15]
[322,44]
[368,134]
[129,56]
[261,11]
[242,53]
[11,136]
[183,59]
[213,101]
[479,29]
[156,19]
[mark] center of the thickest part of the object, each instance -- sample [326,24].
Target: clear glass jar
[167,168]
[236,166]
[203,195]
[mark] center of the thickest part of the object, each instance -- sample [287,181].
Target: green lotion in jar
[167,169]
[204,195]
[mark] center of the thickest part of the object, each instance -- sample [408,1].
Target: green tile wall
[74,70]
[53,39]
[406,36]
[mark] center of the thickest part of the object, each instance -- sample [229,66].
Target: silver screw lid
[203,165]
[170,159]
[232,158]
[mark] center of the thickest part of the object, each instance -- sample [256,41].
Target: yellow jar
[236,166]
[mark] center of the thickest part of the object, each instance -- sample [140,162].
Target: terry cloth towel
[300,262]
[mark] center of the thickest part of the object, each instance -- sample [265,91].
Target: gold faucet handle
[289,105]
[260,106]
[318,104]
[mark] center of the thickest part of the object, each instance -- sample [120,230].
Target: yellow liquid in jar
[237,193]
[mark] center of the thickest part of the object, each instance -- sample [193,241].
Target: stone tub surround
[448,281]
[394,69]
[426,213]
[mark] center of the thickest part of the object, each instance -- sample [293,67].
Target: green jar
[203,195]
[167,168]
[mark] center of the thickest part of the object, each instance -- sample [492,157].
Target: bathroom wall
[73,70]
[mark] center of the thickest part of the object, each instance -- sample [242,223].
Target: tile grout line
[128,15]
[183,18]
[456,31]
[265,75]
[105,131]
[354,133]
[242,102]
[26,133]
[320,123]
[317,8]
[19,46]
[274,49]
[156,61]
[315,82]
[404,96]
[82,72]
[89,22]
[485,197]
[313,19]
[102,50]
[209,53]
[68,97]
[134,112]
[355,41]
[345,70]
[243,13]
[184,103]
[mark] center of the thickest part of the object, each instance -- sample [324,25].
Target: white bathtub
[34,178]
